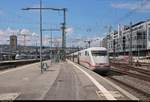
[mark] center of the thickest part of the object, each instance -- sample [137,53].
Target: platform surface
[61,81]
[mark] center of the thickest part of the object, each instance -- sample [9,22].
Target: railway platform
[61,81]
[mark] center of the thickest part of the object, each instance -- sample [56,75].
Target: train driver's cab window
[99,53]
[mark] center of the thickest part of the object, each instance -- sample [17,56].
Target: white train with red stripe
[94,58]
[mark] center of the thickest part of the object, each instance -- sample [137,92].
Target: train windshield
[99,53]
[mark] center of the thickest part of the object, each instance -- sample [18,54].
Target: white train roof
[89,49]
[96,48]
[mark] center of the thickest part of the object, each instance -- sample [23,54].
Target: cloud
[34,34]
[26,32]
[143,6]
[69,30]
[1,32]
[5,34]
[124,5]
[31,39]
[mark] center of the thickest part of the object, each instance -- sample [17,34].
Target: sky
[85,19]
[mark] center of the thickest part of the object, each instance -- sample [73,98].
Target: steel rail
[147,72]
[142,77]
[130,86]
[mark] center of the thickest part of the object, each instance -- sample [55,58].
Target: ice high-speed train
[94,58]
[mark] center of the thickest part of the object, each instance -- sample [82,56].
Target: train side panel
[85,59]
[95,58]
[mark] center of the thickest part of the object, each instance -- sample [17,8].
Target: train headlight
[102,64]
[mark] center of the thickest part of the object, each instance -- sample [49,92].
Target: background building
[118,42]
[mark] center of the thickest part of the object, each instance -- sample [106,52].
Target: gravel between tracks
[140,84]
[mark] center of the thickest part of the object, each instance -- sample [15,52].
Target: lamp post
[64,35]
[54,9]
[130,45]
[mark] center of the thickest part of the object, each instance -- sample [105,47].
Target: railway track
[121,62]
[132,74]
[130,86]
[131,68]
[125,70]
[131,71]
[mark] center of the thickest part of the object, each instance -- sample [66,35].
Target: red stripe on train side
[88,63]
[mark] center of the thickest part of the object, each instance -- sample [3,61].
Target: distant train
[94,58]
[24,56]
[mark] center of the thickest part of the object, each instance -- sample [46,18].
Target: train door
[87,58]
[78,58]
[91,60]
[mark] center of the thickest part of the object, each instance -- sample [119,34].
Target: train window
[99,53]
[86,53]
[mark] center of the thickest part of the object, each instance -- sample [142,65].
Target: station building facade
[118,42]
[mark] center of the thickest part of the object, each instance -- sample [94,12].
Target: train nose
[103,64]
[102,68]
